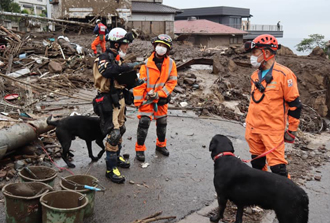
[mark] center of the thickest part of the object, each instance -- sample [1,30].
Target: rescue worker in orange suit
[274,101]
[109,104]
[152,97]
[100,30]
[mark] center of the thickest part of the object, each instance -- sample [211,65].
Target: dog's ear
[213,143]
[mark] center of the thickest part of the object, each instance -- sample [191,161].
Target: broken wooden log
[45,18]
[18,135]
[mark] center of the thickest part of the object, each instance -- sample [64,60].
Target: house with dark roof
[152,17]
[238,18]
[229,16]
[207,33]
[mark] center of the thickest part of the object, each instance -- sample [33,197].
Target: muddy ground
[221,90]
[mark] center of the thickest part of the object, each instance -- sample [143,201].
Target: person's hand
[289,136]
[152,95]
[135,65]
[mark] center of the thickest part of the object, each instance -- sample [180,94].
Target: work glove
[152,95]
[135,65]
[289,136]
[138,82]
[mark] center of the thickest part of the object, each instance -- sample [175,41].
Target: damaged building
[151,17]
[206,33]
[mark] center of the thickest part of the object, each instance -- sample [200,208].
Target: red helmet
[262,42]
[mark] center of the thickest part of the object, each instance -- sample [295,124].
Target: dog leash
[60,168]
[263,154]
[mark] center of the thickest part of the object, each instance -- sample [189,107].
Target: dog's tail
[53,123]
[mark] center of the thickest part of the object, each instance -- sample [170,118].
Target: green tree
[5,5]
[310,43]
[14,7]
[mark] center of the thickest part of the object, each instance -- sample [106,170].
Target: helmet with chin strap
[162,38]
[262,42]
[119,35]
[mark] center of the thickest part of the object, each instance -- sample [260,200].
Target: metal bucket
[63,206]
[82,180]
[44,174]
[22,201]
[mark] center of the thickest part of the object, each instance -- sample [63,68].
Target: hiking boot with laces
[115,176]
[121,162]
[163,150]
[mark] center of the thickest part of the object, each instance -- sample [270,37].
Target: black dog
[245,186]
[86,128]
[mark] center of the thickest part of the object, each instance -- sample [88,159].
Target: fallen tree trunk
[18,135]
[47,19]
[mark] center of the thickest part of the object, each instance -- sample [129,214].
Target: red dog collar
[223,154]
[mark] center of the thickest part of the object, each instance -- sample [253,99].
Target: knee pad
[279,169]
[144,122]
[122,130]
[258,163]
[114,137]
[161,122]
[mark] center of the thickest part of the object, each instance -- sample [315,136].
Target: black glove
[135,65]
[289,136]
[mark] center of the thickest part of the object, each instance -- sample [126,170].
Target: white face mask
[160,50]
[254,61]
[121,54]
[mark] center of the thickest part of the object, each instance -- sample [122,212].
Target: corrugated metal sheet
[153,8]
[221,10]
[204,27]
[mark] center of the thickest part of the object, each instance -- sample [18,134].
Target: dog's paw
[94,159]
[215,218]
[71,165]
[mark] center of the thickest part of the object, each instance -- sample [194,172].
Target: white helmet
[97,21]
[120,35]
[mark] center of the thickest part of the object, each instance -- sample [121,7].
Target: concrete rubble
[54,75]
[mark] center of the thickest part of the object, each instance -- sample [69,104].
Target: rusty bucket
[63,206]
[22,201]
[71,182]
[42,174]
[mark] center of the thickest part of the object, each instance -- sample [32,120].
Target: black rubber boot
[112,171]
[163,150]
[121,162]
[140,156]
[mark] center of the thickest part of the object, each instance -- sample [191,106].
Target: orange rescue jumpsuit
[266,121]
[100,40]
[161,82]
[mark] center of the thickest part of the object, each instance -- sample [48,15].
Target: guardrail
[255,27]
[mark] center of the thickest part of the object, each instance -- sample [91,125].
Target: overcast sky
[299,18]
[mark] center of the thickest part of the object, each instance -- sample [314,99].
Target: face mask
[121,54]
[160,50]
[254,61]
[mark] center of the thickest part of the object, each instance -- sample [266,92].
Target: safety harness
[268,78]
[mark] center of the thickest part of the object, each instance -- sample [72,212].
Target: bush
[25,11]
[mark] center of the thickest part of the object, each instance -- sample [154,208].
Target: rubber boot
[140,156]
[112,171]
[121,162]
[163,150]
